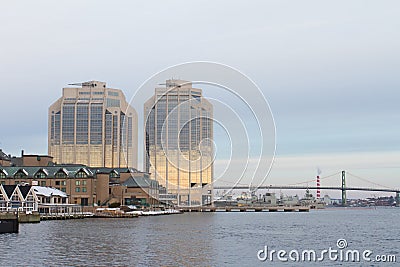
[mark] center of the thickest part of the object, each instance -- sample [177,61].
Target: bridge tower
[344,198]
[397,199]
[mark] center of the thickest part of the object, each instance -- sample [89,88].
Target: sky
[329,70]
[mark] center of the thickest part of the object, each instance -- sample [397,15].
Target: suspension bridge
[343,188]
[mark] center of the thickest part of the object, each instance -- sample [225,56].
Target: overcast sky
[329,69]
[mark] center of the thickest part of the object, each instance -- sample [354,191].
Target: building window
[20,174]
[2,175]
[130,133]
[42,183]
[111,93]
[77,182]
[60,174]
[3,182]
[112,102]
[122,131]
[83,182]
[57,182]
[63,182]
[108,128]
[16,182]
[81,174]
[68,123]
[96,123]
[40,174]
[77,189]
[55,128]
[63,189]
[82,118]
[84,189]
[115,133]
[113,174]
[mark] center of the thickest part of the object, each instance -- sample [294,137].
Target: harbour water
[201,239]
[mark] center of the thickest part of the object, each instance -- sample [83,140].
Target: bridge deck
[310,187]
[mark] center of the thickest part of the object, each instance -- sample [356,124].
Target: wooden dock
[247,209]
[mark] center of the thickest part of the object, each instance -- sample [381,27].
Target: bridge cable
[309,181]
[313,180]
[365,180]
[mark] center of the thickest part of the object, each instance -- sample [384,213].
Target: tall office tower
[93,125]
[178,143]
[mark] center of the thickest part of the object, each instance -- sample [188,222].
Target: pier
[62,212]
[9,222]
[64,216]
[246,209]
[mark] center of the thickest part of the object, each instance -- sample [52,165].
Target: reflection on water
[196,239]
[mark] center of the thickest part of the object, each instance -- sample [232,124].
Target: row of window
[61,182]
[88,93]
[58,183]
[78,182]
[80,129]
[80,189]
[41,174]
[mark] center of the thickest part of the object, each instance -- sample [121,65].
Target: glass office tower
[93,125]
[178,143]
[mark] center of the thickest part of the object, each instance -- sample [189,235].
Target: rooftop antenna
[77,84]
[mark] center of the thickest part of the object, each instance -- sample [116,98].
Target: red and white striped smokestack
[318,184]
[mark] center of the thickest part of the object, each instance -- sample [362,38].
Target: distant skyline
[329,70]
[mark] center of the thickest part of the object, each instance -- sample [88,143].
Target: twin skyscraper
[94,125]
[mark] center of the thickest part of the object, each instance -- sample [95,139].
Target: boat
[310,200]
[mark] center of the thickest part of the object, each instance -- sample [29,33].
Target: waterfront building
[178,143]
[54,202]
[84,185]
[50,195]
[20,198]
[138,191]
[93,125]
[77,181]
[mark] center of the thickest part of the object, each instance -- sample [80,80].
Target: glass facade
[96,123]
[179,154]
[68,123]
[108,128]
[82,120]
[55,128]
[93,131]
